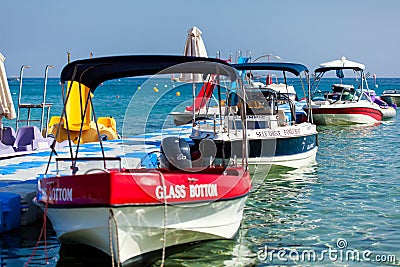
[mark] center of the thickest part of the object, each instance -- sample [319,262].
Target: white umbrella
[194,47]
[6,104]
[342,62]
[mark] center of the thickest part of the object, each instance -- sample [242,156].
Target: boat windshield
[261,102]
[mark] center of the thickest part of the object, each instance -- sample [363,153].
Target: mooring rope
[110,236]
[42,232]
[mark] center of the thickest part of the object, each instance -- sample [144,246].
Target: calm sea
[342,210]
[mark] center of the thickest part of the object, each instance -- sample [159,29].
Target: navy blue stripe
[268,147]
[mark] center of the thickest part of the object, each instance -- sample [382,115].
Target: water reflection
[21,246]
[276,209]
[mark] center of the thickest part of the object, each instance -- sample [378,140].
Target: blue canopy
[294,68]
[92,72]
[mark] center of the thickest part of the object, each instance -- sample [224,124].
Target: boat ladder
[45,107]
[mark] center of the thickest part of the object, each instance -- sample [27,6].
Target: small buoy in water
[117,96]
[178,93]
[155,89]
[138,87]
[165,86]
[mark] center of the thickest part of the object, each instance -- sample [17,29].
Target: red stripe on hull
[145,187]
[374,113]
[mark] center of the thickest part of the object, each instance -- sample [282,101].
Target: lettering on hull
[181,191]
[61,194]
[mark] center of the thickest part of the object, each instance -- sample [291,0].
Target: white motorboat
[132,213]
[343,104]
[201,107]
[274,136]
[391,96]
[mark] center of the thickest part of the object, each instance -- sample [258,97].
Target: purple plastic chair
[25,136]
[8,136]
[30,138]
[6,149]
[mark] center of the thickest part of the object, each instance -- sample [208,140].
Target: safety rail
[104,159]
[43,106]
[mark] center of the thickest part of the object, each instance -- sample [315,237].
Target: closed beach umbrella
[194,47]
[6,104]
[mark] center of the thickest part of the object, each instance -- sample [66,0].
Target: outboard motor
[175,153]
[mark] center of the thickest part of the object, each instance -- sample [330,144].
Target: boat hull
[291,152]
[129,210]
[388,113]
[138,230]
[291,146]
[182,118]
[297,160]
[345,115]
[391,99]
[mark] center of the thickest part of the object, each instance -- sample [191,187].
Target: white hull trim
[388,113]
[141,228]
[292,161]
[343,119]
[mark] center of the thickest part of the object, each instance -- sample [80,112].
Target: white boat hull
[141,228]
[388,112]
[346,113]
[181,118]
[292,161]
[342,119]
[290,146]
[391,98]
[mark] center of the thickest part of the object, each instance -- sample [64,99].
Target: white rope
[110,238]
[112,218]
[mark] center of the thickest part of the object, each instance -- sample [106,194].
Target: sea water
[342,211]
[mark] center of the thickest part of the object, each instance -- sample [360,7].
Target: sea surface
[342,211]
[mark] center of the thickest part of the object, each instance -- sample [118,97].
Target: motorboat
[343,103]
[286,90]
[201,107]
[274,136]
[391,96]
[132,213]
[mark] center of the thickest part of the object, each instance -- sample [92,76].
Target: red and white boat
[131,213]
[200,109]
[343,104]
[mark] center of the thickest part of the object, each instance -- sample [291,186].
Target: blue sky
[38,33]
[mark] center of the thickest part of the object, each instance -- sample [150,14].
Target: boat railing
[74,168]
[231,120]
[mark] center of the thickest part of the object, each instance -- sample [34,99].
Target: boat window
[261,102]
